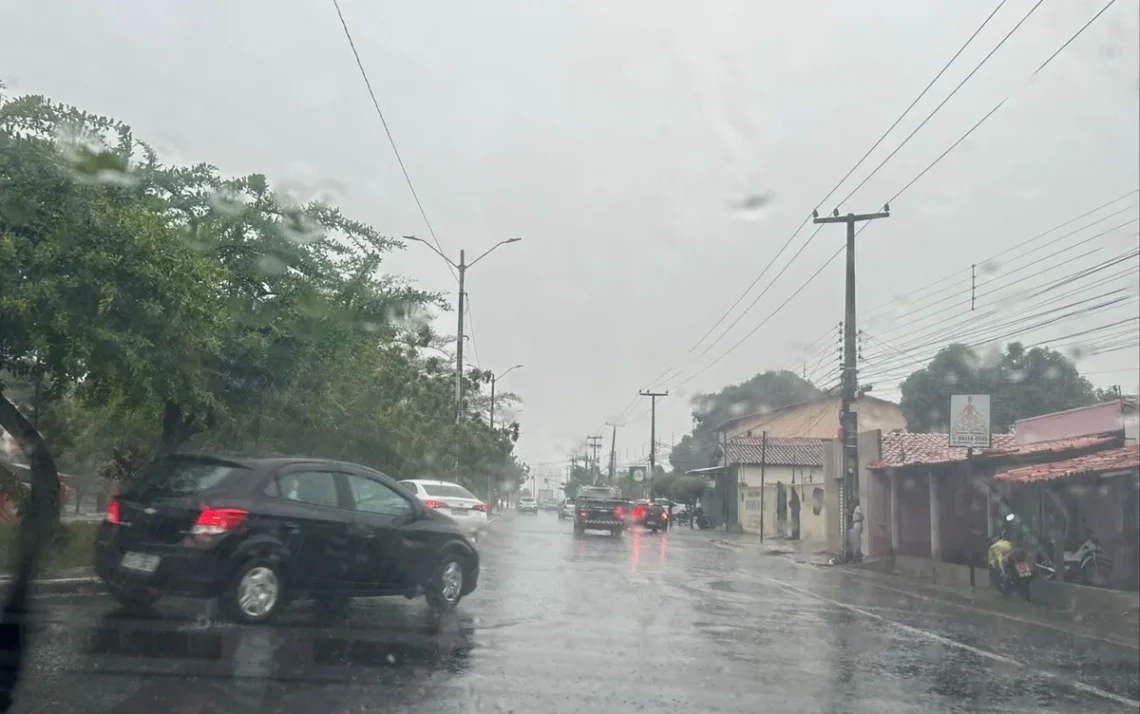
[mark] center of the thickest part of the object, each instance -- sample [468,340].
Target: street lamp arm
[492,248]
[508,371]
[433,249]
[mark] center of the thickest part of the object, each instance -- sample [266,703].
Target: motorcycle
[1087,564]
[703,521]
[1010,568]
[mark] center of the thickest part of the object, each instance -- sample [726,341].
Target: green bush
[73,548]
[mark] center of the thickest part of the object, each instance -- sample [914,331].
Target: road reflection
[193,667]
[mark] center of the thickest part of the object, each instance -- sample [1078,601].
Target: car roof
[430,482]
[259,463]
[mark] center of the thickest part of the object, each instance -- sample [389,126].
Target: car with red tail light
[258,533]
[453,500]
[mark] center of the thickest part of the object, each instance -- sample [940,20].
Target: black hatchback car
[258,533]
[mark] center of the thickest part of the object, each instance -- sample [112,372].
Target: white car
[451,499]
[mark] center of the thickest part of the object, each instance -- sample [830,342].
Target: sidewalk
[70,581]
[801,552]
[1121,627]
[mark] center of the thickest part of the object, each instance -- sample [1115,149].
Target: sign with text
[637,473]
[970,420]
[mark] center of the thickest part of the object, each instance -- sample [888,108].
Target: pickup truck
[593,513]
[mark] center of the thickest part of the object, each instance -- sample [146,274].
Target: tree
[688,489]
[764,391]
[96,296]
[1022,383]
[153,307]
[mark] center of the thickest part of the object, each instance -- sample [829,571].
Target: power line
[830,193]
[908,324]
[972,321]
[999,105]
[878,309]
[388,132]
[944,101]
[944,154]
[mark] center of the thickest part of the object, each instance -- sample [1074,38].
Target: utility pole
[848,417]
[652,433]
[613,450]
[595,443]
[461,267]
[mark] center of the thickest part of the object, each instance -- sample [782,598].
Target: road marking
[1079,686]
[1072,632]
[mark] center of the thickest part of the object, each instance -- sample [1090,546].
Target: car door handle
[363,532]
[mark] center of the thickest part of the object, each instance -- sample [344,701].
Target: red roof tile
[780,450]
[1122,457]
[904,448]
[1054,446]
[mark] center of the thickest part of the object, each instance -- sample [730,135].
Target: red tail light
[216,521]
[638,512]
[619,512]
[584,514]
[112,514]
[432,503]
[480,507]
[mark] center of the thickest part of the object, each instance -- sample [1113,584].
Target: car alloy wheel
[257,592]
[446,588]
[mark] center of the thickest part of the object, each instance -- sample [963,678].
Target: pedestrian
[856,544]
[669,522]
[794,505]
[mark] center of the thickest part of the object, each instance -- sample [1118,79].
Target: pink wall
[1082,421]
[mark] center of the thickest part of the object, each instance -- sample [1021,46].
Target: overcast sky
[621,139]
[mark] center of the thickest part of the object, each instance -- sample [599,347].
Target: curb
[61,586]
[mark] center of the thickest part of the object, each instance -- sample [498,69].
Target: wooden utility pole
[613,450]
[763,493]
[595,443]
[652,433]
[848,418]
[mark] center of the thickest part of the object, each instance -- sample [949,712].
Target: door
[311,508]
[380,513]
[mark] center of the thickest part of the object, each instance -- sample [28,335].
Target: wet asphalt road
[682,622]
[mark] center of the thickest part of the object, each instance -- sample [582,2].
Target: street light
[494,379]
[462,267]
[491,420]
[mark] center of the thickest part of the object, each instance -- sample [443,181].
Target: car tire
[653,530]
[256,592]
[134,599]
[445,589]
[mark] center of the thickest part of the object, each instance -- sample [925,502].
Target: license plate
[1023,570]
[459,511]
[141,562]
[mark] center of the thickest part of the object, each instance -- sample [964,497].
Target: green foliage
[764,391]
[1022,383]
[688,489]
[148,308]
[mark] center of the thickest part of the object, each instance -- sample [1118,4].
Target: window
[448,490]
[410,487]
[315,487]
[180,476]
[375,497]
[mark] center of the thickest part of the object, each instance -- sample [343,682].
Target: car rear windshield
[184,477]
[447,490]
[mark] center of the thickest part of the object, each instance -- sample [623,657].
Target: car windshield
[184,477]
[293,335]
[447,490]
